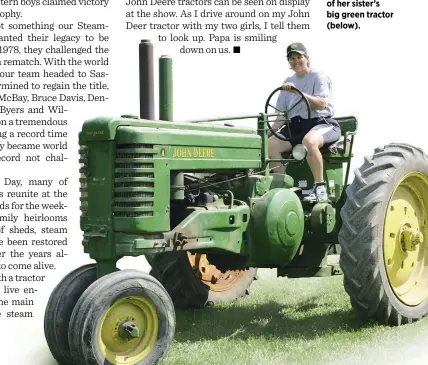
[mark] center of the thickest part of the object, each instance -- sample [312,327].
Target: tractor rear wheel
[384,251]
[193,282]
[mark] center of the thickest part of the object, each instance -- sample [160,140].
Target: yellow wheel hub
[211,276]
[128,331]
[405,246]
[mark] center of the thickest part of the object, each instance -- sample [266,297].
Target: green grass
[289,321]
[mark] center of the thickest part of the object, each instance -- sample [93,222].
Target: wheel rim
[211,276]
[405,239]
[119,341]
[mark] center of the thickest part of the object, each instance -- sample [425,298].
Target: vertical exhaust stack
[165,88]
[147,110]
[166,113]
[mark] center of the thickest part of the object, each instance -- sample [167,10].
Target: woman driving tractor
[313,133]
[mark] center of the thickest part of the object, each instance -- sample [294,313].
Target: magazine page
[142,182]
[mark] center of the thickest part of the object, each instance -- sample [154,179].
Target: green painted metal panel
[103,128]
[276,228]
[220,228]
[334,179]
[303,177]
[197,150]
[172,136]
[97,194]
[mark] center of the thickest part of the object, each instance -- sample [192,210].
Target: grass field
[292,321]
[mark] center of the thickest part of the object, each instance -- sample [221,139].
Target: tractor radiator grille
[134,166]
[133,155]
[134,181]
[132,174]
[133,184]
[134,204]
[83,161]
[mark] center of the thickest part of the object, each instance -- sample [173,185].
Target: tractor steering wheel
[285,112]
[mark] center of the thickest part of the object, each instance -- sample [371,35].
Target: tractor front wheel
[384,236]
[124,318]
[60,307]
[193,282]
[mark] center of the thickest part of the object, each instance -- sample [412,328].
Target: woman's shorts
[299,128]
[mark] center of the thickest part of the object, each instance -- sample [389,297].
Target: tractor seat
[338,147]
[342,148]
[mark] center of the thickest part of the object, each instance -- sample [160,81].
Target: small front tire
[124,318]
[60,308]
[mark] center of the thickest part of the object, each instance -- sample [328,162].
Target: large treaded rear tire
[362,238]
[175,272]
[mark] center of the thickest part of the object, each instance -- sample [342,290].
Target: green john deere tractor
[198,199]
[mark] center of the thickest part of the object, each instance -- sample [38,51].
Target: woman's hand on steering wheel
[289,86]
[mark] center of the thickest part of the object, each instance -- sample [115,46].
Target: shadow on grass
[268,320]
